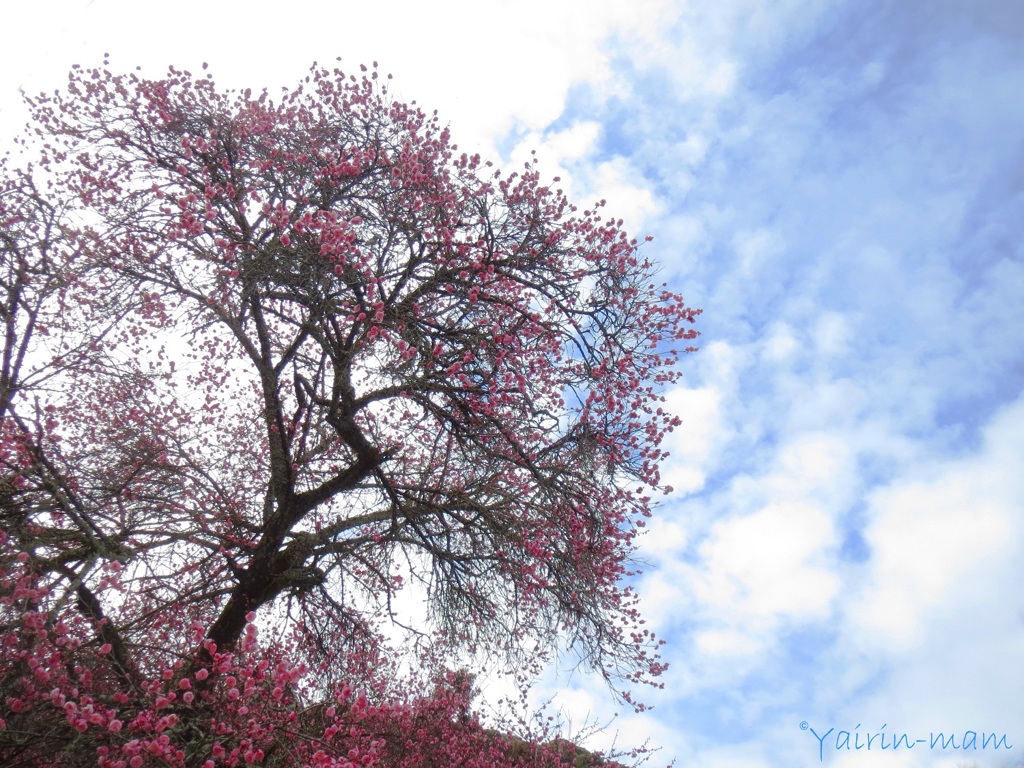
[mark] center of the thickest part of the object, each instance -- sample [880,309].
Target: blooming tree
[265,362]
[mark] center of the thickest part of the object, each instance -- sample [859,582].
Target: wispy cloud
[844,199]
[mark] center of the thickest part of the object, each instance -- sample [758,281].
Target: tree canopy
[266,362]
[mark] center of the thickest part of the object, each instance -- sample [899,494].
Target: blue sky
[840,185]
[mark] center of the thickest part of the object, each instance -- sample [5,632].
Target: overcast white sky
[840,185]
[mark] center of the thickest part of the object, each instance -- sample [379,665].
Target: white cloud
[781,345]
[769,564]
[772,564]
[726,642]
[627,193]
[831,335]
[570,145]
[757,250]
[570,155]
[486,66]
[694,446]
[943,539]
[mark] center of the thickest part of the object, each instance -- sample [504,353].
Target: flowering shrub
[266,362]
